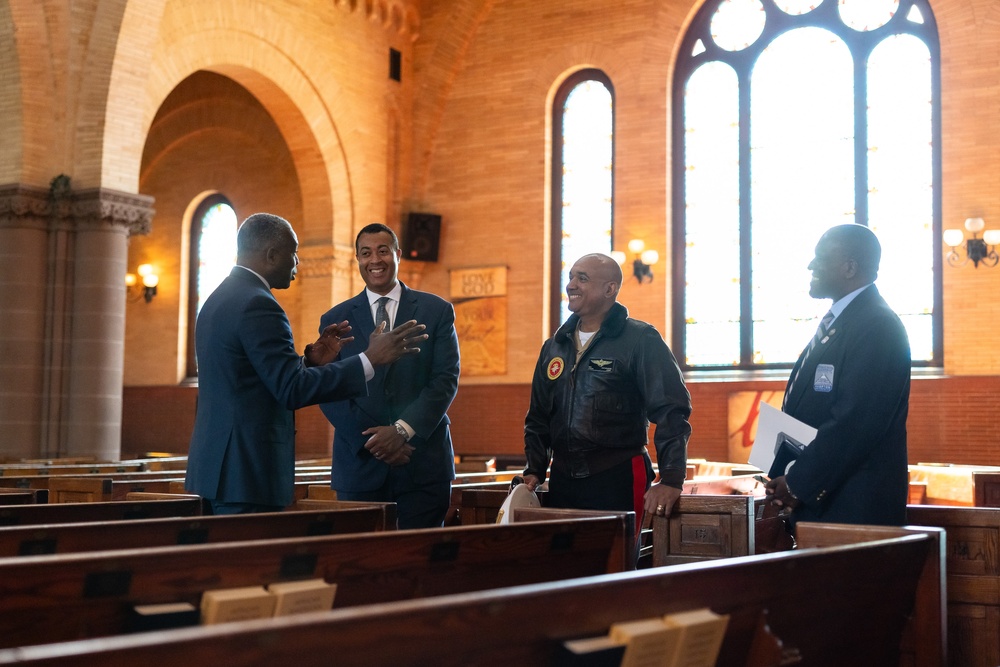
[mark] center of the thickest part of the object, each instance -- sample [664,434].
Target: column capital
[25,206]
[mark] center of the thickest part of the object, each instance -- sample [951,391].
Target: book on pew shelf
[147,617]
[648,643]
[600,651]
[297,597]
[236,604]
[702,631]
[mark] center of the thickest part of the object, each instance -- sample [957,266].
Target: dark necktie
[821,332]
[381,314]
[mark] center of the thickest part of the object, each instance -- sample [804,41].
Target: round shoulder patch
[555,368]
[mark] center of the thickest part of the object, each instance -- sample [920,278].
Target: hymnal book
[780,438]
[702,631]
[297,597]
[236,604]
[147,617]
[648,643]
[600,651]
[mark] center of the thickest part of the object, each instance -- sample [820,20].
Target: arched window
[582,176]
[213,254]
[790,117]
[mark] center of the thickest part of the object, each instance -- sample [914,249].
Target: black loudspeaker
[422,237]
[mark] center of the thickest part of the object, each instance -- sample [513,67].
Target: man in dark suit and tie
[250,378]
[851,383]
[394,445]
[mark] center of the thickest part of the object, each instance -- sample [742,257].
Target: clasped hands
[387,445]
[383,347]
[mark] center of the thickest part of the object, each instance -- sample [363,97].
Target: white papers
[770,424]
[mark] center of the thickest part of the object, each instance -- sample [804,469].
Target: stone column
[103,221]
[62,309]
[24,223]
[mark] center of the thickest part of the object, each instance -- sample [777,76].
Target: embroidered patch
[601,365]
[555,368]
[824,378]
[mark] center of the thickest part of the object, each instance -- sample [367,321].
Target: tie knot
[827,320]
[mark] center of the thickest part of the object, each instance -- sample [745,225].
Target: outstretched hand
[387,347]
[328,345]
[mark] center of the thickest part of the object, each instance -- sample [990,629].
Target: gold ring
[659,508]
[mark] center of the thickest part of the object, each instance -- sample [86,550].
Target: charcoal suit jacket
[854,389]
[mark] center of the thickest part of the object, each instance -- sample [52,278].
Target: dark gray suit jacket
[855,389]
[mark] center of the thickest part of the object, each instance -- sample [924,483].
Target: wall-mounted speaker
[421,237]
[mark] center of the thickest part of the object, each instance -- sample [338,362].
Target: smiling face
[592,288]
[378,261]
[829,280]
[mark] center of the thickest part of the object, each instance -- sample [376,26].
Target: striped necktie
[821,332]
[381,314]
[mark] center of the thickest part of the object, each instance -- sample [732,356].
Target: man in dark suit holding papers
[851,383]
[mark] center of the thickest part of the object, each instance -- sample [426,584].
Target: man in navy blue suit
[851,383]
[394,445]
[250,378]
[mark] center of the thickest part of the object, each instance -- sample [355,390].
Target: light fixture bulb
[130,280]
[992,236]
[635,246]
[650,257]
[953,237]
[618,256]
[975,225]
[150,280]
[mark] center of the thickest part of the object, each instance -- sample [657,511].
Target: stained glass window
[792,117]
[583,180]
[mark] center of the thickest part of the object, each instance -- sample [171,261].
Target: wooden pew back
[825,607]
[24,515]
[55,598]
[973,571]
[144,533]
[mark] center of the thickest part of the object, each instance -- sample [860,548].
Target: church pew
[973,569]
[18,496]
[144,533]
[24,515]
[61,597]
[700,527]
[948,483]
[986,488]
[825,606]
[707,527]
[387,510]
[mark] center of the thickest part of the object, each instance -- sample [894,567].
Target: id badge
[824,378]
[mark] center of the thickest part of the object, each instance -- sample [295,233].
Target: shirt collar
[393,294]
[838,307]
[262,278]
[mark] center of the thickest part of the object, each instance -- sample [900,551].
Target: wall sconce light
[644,259]
[977,249]
[142,285]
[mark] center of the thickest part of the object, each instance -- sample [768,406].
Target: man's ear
[852,269]
[611,289]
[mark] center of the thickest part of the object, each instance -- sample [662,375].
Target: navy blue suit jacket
[855,390]
[250,380]
[417,388]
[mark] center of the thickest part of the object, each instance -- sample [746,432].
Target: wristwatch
[402,431]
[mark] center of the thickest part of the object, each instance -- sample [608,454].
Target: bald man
[853,385]
[599,382]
